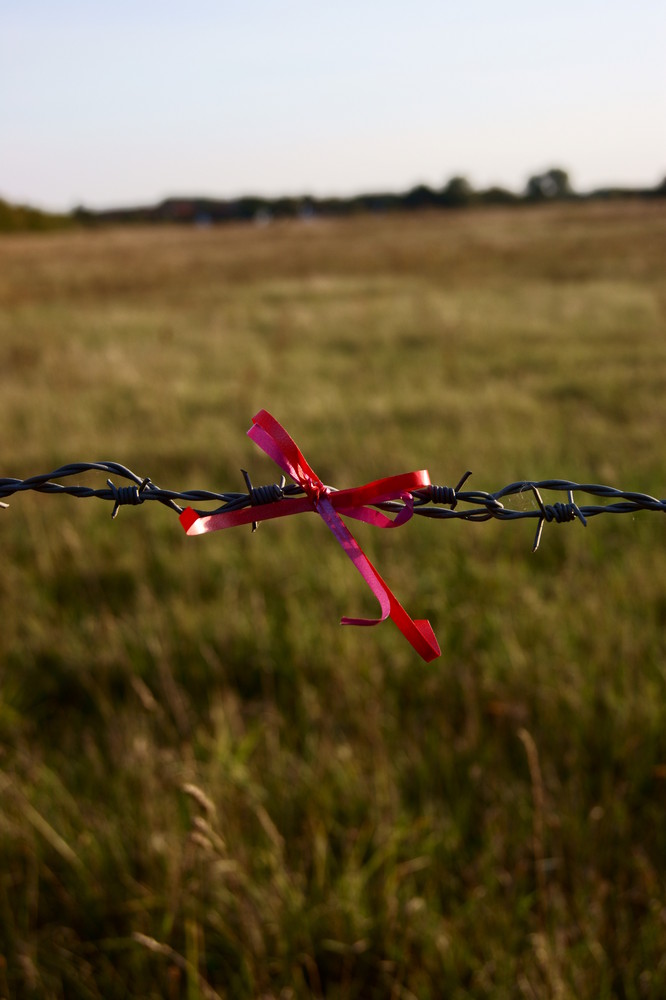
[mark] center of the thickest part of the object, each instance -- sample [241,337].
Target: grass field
[210,789]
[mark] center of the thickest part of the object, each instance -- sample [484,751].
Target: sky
[124,103]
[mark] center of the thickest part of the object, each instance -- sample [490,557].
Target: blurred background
[128,103]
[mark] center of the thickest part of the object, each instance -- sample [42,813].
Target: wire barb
[263,494]
[446,495]
[558,512]
[131,495]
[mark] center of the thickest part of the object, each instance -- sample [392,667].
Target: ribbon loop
[272,438]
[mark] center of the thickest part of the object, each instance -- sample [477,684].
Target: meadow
[208,788]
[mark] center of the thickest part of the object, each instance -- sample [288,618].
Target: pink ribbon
[272,438]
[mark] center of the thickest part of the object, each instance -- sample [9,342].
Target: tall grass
[207,787]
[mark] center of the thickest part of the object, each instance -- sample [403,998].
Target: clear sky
[105,104]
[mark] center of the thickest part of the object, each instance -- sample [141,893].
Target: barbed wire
[438,502]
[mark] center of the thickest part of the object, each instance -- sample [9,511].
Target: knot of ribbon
[272,438]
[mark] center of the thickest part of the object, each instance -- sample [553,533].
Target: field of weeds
[208,788]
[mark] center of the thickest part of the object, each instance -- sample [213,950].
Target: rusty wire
[440,502]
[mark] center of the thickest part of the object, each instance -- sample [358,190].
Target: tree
[420,196]
[457,193]
[552,184]
[498,196]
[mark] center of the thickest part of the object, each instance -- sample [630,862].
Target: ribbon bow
[272,438]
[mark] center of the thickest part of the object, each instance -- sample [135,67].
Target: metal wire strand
[439,502]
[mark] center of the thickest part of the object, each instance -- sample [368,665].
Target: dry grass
[207,788]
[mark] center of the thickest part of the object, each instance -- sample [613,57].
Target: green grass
[209,788]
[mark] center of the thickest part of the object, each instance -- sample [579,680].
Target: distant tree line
[20,219]
[552,185]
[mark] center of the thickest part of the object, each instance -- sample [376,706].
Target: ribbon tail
[376,517]
[419,633]
[265,441]
[271,437]
[200,524]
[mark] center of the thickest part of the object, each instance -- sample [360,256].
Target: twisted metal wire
[441,502]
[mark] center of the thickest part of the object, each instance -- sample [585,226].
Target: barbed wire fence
[436,502]
[402,495]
